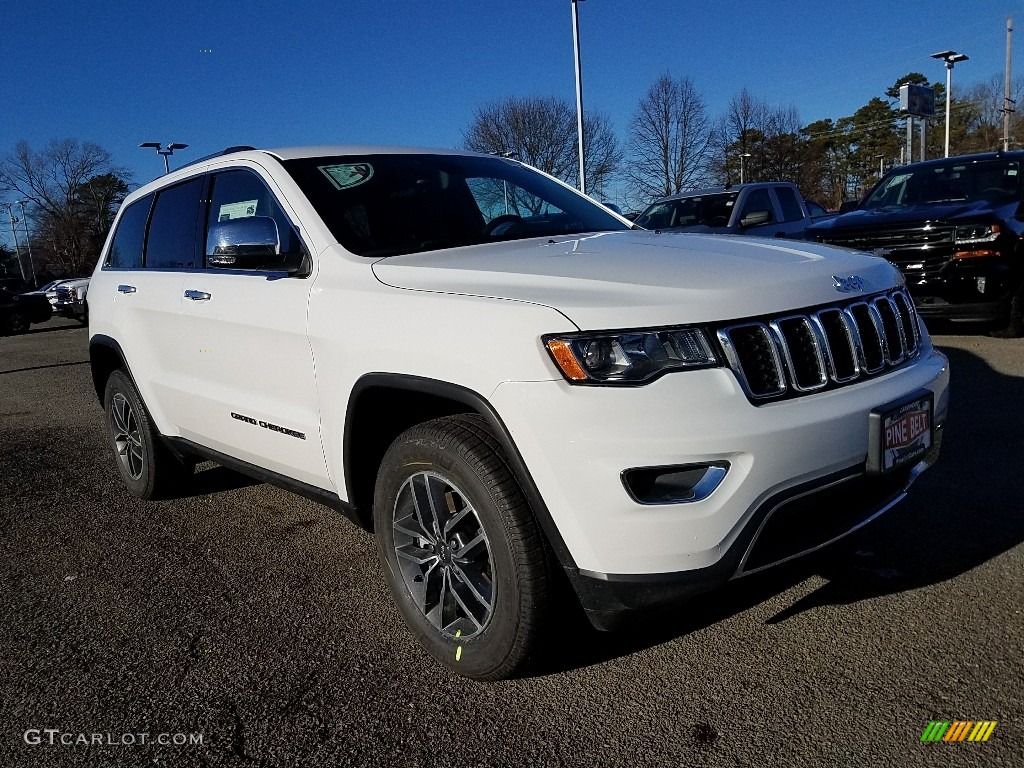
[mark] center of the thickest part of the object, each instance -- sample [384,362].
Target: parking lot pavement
[258,622]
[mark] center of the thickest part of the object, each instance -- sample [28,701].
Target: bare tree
[669,138]
[55,183]
[542,132]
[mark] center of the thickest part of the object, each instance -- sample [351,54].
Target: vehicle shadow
[50,329]
[961,514]
[210,478]
[43,367]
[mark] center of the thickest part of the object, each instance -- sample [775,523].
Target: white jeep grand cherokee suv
[505,381]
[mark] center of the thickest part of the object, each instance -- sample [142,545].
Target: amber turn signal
[564,358]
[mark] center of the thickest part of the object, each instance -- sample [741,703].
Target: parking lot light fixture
[951,58]
[165,151]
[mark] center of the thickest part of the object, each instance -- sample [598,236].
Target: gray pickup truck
[764,209]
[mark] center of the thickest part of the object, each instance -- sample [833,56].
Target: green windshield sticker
[240,210]
[347,175]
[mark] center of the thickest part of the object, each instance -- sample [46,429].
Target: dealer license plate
[900,435]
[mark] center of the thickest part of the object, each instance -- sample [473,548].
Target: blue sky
[400,72]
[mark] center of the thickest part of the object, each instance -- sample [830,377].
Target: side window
[242,194]
[126,249]
[759,200]
[789,204]
[171,243]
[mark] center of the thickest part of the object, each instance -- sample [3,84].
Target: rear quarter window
[126,248]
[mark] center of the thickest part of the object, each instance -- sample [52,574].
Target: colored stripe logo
[959,730]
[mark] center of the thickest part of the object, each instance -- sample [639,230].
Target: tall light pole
[743,156]
[165,151]
[17,245]
[951,58]
[579,93]
[28,242]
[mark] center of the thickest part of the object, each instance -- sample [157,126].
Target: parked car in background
[71,299]
[19,310]
[765,209]
[953,227]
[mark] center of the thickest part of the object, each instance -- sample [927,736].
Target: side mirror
[756,218]
[251,242]
[847,205]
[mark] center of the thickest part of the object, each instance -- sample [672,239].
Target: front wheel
[463,554]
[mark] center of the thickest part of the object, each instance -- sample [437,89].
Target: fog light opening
[679,484]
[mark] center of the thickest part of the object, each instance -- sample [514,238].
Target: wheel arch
[383,405]
[105,357]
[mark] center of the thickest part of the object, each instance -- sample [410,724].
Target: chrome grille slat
[804,352]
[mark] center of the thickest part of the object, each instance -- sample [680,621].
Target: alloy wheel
[127,439]
[444,555]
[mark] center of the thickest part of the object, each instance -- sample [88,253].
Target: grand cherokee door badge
[268,425]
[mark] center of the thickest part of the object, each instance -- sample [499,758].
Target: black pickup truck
[954,228]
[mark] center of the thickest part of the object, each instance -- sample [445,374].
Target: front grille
[919,251]
[822,348]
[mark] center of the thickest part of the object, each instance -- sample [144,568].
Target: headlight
[975,233]
[629,357]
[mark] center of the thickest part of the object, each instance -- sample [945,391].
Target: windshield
[384,205]
[997,181]
[708,210]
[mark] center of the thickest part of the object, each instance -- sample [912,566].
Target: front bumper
[72,309]
[576,442]
[971,291]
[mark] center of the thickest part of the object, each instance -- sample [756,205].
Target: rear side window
[126,249]
[172,231]
[759,200]
[789,204]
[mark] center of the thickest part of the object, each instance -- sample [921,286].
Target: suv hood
[882,217]
[638,279]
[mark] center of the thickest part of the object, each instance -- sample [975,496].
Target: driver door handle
[197,295]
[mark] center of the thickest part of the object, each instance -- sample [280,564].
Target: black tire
[84,317]
[17,322]
[485,596]
[148,469]
[1014,327]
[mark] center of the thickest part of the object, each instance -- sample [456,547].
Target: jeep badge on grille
[848,284]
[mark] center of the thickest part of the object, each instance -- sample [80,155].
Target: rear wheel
[148,469]
[463,555]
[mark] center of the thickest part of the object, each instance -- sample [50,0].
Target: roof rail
[228,151]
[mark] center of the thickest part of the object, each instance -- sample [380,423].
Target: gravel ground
[259,622]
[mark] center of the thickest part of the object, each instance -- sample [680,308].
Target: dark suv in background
[953,226]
